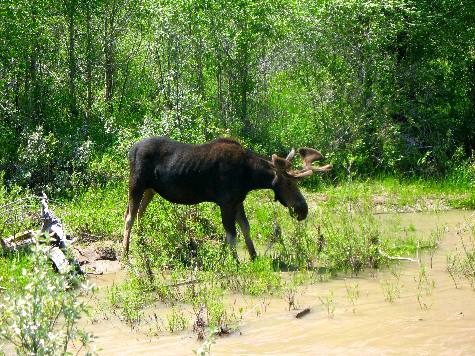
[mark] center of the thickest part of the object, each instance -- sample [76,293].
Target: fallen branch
[52,228]
[395,258]
[18,241]
[51,224]
[302,313]
[182,283]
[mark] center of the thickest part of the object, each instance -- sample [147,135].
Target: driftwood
[302,313]
[59,260]
[51,224]
[17,242]
[395,258]
[58,252]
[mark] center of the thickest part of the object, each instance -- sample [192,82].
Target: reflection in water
[427,316]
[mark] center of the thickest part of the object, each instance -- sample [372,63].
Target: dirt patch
[98,257]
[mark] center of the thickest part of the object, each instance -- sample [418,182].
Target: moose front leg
[228,217]
[246,230]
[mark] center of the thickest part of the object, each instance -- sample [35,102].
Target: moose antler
[308,155]
[291,155]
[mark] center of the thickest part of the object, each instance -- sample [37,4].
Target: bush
[42,317]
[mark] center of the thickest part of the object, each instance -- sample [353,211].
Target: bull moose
[220,171]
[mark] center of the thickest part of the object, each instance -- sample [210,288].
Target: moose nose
[301,209]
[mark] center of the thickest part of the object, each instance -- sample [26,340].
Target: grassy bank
[178,257]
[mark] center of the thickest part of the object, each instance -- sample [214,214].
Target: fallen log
[59,260]
[18,242]
[51,224]
[302,313]
[62,259]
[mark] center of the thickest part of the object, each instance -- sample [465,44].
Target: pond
[412,308]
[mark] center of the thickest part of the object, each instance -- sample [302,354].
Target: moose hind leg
[135,196]
[228,217]
[246,230]
[146,199]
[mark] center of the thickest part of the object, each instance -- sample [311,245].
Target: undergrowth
[179,258]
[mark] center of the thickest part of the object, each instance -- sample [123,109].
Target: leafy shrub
[41,317]
[50,163]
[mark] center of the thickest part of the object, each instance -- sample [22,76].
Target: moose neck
[261,173]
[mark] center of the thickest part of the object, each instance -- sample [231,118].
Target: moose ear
[309,155]
[280,164]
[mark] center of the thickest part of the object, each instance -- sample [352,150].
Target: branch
[395,258]
[177,284]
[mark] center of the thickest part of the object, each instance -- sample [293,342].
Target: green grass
[192,268]
[13,267]
[412,193]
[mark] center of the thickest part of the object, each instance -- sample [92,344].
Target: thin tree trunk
[169,104]
[123,88]
[88,63]
[200,80]
[109,47]
[219,94]
[244,73]
[31,75]
[72,60]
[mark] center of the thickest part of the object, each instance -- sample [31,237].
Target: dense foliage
[378,86]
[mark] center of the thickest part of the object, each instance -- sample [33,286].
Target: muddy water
[443,322]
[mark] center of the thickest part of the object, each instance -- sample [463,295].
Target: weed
[176,320]
[328,301]
[425,286]
[290,298]
[205,348]
[155,325]
[468,260]
[42,317]
[352,239]
[392,287]
[256,278]
[462,263]
[453,267]
[127,300]
[199,325]
[353,294]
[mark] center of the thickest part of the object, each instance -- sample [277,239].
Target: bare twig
[395,258]
[182,283]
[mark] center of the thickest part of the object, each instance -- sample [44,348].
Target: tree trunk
[88,63]
[72,59]
[32,71]
[244,89]
[200,79]
[109,47]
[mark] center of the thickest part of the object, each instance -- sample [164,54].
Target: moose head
[285,180]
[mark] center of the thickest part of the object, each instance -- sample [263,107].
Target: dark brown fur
[220,171]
